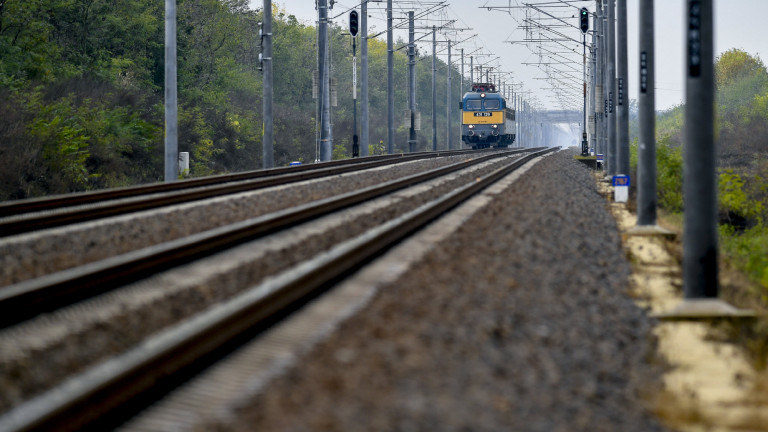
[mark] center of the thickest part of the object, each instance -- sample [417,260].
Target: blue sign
[294,164]
[599,157]
[621,180]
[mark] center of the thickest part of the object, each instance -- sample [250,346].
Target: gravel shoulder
[520,320]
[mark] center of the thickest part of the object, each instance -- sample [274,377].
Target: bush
[669,169]
[748,251]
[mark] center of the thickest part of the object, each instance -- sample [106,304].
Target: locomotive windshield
[492,104]
[473,104]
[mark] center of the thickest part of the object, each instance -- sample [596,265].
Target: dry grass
[677,411]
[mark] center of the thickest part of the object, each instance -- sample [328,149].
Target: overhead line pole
[700,232]
[171,101]
[364,79]
[434,88]
[411,84]
[622,119]
[611,80]
[390,83]
[448,103]
[322,55]
[268,154]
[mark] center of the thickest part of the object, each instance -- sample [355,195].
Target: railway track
[23,216]
[110,389]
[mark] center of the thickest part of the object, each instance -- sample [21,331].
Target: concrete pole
[434,88]
[584,143]
[411,82]
[364,79]
[171,101]
[603,42]
[471,70]
[461,81]
[700,271]
[611,79]
[267,140]
[622,120]
[390,83]
[461,96]
[355,137]
[517,122]
[322,56]
[646,163]
[448,102]
[592,90]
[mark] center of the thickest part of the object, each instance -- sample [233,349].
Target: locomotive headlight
[482,95]
[495,126]
[471,126]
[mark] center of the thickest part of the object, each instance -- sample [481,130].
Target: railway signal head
[353,23]
[584,19]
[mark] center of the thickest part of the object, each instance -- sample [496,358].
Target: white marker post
[620,188]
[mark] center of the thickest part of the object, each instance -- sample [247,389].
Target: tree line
[82,82]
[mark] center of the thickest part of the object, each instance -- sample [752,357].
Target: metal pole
[584,142]
[390,83]
[322,55]
[411,82]
[646,161]
[267,140]
[593,90]
[523,124]
[171,101]
[518,121]
[699,188]
[622,120]
[355,144]
[471,70]
[461,94]
[434,88]
[602,71]
[448,103]
[364,79]
[612,168]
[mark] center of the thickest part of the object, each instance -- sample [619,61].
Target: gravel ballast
[520,320]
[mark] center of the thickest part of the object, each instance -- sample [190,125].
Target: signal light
[584,20]
[353,23]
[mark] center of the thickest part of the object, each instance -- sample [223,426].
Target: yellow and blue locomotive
[485,119]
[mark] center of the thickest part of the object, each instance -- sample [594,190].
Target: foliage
[669,171]
[748,250]
[81,88]
[340,152]
[735,65]
[742,104]
[736,207]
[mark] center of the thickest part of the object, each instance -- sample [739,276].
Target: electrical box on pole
[584,20]
[353,23]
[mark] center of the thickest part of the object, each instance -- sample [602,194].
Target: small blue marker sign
[621,180]
[294,163]
[599,158]
[620,188]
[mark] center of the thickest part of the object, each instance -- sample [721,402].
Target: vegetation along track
[102,383]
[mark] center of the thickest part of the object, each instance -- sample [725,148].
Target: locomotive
[485,119]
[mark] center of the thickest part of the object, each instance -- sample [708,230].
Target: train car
[486,120]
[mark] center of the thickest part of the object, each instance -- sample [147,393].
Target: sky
[494,37]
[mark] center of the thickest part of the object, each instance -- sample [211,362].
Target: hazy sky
[738,24]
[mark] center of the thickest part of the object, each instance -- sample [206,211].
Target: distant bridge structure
[562,116]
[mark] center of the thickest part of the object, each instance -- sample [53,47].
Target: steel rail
[27,299]
[31,215]
[112,391]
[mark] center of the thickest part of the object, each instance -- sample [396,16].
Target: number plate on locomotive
[483,114]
